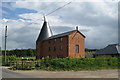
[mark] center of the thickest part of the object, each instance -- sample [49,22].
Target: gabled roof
[110,49]
[45,32]
[63,34]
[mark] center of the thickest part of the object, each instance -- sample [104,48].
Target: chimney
[76,27]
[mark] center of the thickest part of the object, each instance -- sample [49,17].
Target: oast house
[68,44]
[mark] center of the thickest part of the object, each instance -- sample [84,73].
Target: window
[60,39]
[54,40]
[61,48]
[49,49]
[112,55]
[49,41]
[54,48]
[50,56]
[77,48]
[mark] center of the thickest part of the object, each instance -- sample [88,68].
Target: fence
[22,64]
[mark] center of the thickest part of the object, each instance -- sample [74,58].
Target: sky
[98,21]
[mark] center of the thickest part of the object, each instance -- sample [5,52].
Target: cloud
[21,34]
[97,21]
[101,36]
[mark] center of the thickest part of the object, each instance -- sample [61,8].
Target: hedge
[67,64]
[78,63]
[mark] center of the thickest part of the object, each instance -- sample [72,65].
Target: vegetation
[14,58]
[91,50]
[20,52]
[26,57]
[89,54]
[88,63]
[67,64]
[81,63]
[0,60]
[31,52]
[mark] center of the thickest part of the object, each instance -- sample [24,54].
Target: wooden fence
[23,64]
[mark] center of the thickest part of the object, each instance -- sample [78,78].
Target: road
[11,74]
[61,74]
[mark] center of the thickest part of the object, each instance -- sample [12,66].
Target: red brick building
[62,45]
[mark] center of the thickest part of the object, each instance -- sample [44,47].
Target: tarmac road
[11,74]
[6,73]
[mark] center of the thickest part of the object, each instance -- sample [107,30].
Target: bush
[81,63]
[73,63]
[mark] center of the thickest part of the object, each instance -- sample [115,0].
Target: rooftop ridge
[64,32]
[113,44]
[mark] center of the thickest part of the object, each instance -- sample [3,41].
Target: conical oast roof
[45,31]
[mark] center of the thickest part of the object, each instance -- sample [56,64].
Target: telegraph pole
[0,51]
[5,42]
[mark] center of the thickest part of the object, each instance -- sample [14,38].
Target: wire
[58,8]
[55,9]
[45,15]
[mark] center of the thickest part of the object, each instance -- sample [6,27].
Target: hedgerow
[68,63]
[82,63]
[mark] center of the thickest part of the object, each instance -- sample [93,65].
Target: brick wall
[43,48]
[74,39]
[38,48]
[68,47]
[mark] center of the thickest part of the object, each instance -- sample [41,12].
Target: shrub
[82,63]
[73,63]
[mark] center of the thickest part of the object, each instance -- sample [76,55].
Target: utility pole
[0,51]
[5,42]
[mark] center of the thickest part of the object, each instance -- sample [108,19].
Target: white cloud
[97,21]
[101,37]
[38,18]
[20,33]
